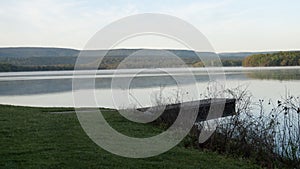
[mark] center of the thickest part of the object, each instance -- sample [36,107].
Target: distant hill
[37,52]
[241,54]
[36,58]
[19,52]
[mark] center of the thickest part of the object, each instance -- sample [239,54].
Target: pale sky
[230,25]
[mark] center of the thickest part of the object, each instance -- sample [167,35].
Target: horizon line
[238,51]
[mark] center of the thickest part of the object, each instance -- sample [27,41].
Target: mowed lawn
[37,138]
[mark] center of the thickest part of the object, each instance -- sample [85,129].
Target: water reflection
[279,74]
[55,88]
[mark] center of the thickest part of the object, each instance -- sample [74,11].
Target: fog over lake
[54,88]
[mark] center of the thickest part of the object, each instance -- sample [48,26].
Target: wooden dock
[203,107]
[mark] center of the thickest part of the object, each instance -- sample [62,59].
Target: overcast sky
[230,25]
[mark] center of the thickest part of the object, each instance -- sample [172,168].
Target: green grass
[35,138]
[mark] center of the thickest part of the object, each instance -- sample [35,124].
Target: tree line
[273,59]
[63,63]
[6,67]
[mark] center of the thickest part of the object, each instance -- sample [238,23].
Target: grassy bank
[37,138]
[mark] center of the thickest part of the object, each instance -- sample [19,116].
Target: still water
[54,88]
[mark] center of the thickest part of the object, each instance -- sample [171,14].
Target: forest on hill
[291,58]
[44,59]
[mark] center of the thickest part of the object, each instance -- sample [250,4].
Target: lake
[54,88]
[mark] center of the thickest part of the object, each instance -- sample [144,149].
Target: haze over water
[54,88]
